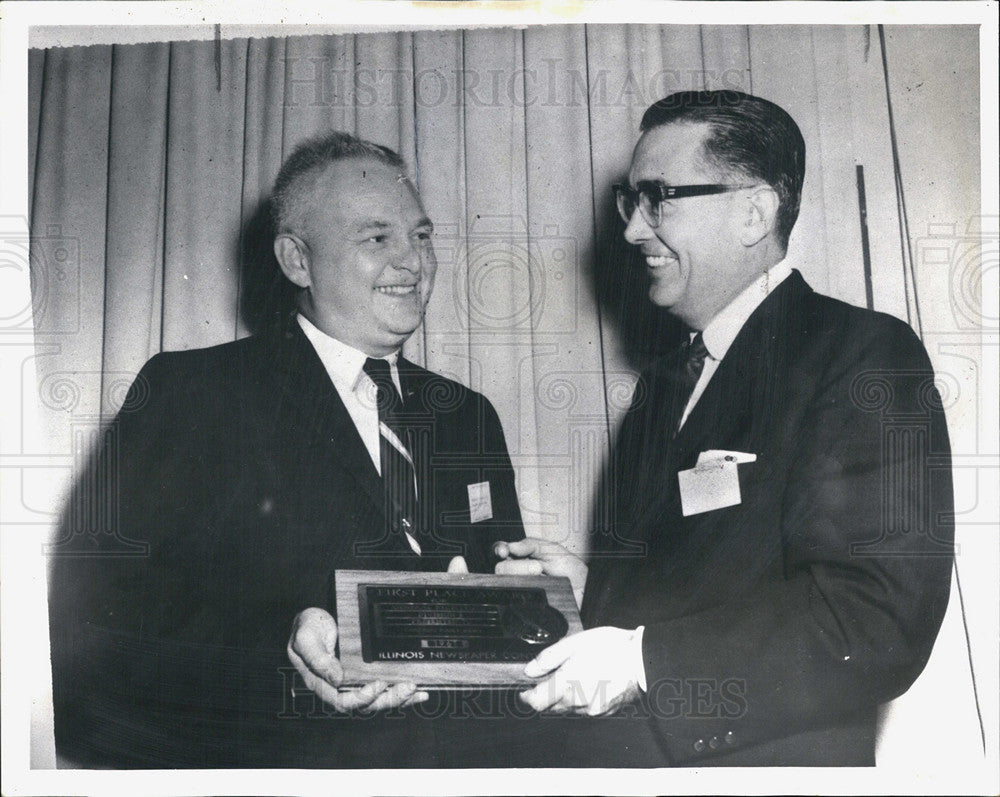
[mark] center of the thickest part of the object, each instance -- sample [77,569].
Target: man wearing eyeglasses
[781,484]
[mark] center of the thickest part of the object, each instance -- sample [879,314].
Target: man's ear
[761,217]
[293,257]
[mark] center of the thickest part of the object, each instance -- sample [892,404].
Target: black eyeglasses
[648,194]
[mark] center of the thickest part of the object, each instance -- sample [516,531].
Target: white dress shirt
[345,364]
[722,330]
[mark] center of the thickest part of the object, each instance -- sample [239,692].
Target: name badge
[480,502]
[713,485]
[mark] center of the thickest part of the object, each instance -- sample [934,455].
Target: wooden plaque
[448,630]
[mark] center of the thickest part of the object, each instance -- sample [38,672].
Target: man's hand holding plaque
[534,556]
[593,672]
[312,650]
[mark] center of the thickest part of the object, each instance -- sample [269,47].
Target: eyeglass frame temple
[682,191]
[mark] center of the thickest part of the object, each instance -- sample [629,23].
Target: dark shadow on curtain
[265,296]
[621,287]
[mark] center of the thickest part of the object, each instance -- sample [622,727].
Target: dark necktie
[398,473]
[692,363]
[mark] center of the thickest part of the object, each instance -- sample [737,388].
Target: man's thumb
[458,565]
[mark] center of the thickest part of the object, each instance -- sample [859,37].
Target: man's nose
[409,258]
[637,230]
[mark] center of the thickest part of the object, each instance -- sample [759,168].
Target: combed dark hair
[749,135]
[309,159]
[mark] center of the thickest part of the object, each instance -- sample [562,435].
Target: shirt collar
[723,329]
[342,362]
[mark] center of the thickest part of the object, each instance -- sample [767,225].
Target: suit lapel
[735,399]
[315,411]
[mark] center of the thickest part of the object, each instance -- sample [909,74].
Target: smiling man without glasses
[250,472]
[354,237]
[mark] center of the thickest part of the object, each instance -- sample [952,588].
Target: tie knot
[693,362]
[388,397]
[377,370]
[697,351]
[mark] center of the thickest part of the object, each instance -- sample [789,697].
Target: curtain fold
[68,228]
[136,179]
[566,371]
[494,286]
[263,137]
[441,175]
[204,188]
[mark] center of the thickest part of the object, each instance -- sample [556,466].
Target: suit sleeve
[135,670]
[866,558]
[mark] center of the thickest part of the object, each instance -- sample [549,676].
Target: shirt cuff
[638,667]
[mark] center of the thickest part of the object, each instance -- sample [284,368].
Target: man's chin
[665,296]
[403,327]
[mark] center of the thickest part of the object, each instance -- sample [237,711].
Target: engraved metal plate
[456,623]
[446,630]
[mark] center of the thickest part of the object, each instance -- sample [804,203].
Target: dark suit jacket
[230,486]
[775,627]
